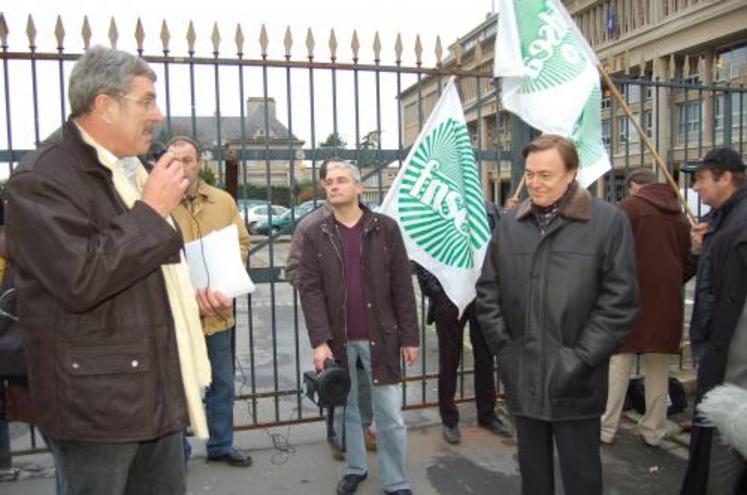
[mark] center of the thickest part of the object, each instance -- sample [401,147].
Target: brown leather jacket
[392,315]
[100,343]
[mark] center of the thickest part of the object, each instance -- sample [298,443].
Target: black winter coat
[732,214]
[553,307]
[729,276]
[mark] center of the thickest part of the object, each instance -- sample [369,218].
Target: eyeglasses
[148,103]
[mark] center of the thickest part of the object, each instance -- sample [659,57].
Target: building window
[626,132]
[731,63]
[689,119]
[615,186]
[606,133]
[736,115]
[718,112]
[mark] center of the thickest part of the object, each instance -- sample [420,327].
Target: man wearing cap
[718,329]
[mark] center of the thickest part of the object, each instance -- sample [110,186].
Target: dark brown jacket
[662,247]
[100,343]
[392,315]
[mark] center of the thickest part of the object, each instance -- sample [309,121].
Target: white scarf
[190,341]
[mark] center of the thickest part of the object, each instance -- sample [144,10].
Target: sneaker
[497,427]
[349,483]
[451,434]
[369,436]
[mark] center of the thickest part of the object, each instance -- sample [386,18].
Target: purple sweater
[351,240]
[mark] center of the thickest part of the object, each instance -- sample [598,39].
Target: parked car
[261,212]
[244,203]
[285,223]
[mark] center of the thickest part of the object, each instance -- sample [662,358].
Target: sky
[428,18]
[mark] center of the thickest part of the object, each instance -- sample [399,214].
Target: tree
[334,140]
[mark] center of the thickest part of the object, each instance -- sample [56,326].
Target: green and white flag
[437,201]
[549,78]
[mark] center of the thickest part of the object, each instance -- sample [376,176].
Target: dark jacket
[662,247]
[729,255]
[99,335]
[392,315]
[732,214]
[553,307]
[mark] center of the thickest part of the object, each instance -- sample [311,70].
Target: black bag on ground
[636,396]
[12,359]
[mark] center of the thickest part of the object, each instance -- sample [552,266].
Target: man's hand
[511,203]
[211,301]
[410,355]
[166,184]
[696,237]
[322,352]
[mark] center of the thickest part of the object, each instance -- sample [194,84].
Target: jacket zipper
[342,277]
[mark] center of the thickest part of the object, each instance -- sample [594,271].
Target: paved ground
[273,351]
[481,464]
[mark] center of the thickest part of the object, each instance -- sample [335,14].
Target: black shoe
[335,445]
[498,427]
[403,491]
[233,458]
[349,483]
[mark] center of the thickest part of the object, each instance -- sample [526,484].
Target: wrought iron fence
[370,100]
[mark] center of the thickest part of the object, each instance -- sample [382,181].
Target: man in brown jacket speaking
[115,352]
[358,301]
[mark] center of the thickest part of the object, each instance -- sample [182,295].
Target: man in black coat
[450,332]
[558,294]
[718,331]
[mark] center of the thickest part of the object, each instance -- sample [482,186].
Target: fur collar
[575,206]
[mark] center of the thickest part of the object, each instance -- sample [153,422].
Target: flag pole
[646,141]
[519,188]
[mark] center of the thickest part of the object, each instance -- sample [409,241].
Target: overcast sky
[429,18]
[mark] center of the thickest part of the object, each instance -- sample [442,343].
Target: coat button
[376,380]
[75,365]
[134,363]
[373,343]
[369,305]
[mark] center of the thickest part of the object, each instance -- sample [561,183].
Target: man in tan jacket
[204,210]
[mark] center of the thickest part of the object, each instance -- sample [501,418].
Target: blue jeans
[391,432]
[219,396]
[364,403]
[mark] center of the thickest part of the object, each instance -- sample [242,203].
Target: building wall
[644,41]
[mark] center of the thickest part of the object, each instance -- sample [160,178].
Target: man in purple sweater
[358,302]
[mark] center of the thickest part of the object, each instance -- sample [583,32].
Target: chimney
[256,104]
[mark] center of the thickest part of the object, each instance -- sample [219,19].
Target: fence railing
[265,121]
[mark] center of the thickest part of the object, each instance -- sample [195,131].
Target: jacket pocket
[570,377]
[507,362]
[109,386]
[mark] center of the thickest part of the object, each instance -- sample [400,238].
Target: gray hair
[105,71]
[354,171]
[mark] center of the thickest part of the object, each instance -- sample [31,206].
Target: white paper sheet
[215,262]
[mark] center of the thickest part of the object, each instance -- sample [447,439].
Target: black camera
[329,387]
